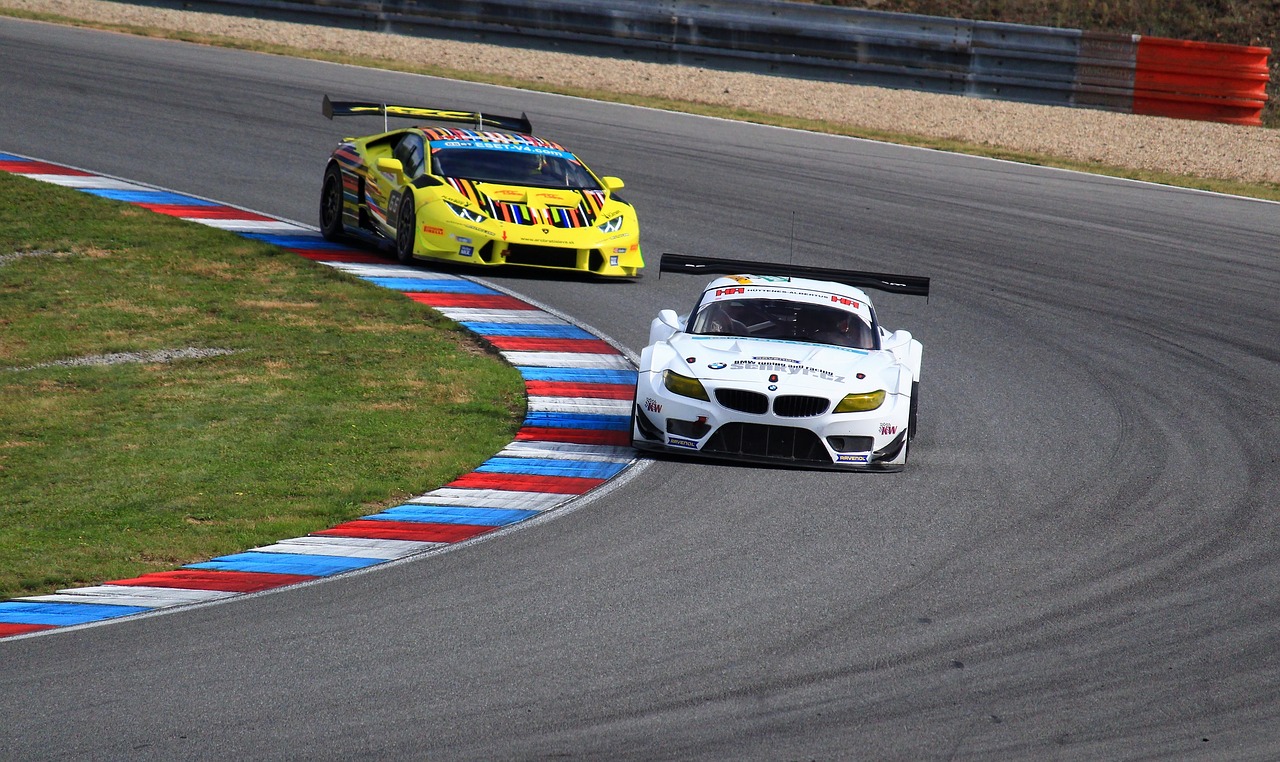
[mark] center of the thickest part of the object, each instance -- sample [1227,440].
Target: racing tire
[913,410]
[331,204]
[406,228]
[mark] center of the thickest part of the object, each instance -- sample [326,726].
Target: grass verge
[335,398]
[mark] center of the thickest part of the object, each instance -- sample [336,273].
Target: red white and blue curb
[575,437]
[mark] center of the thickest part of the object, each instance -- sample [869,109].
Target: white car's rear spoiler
[912,285]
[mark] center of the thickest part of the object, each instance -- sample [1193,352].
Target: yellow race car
[489,197]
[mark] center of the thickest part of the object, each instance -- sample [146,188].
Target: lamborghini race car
[787,365]
[486,197]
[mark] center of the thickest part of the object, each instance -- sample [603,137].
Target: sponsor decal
[681,442]
[887,429]
[507,193]
[851,458]
[462,239]
[844,300]
[730,291]
[651,405]
[635,246]
[744,280]
[620,250]
[775,359]
[792,370]
[716,365]
[613,261]
[465,251]
[432,230]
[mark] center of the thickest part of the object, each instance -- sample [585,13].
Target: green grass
[338,398]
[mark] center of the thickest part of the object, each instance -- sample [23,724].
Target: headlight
[613,225]
[860,403]
[684,386]
[465,213]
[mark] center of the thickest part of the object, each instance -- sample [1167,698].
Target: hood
[532,205]
[799,366]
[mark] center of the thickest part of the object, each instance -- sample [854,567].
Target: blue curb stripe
[445,514]
[578,375]
[551,467]
[286,563]
[62,614]
[295,241]
[541,330]
[578,421]
[437,286]
[148,197]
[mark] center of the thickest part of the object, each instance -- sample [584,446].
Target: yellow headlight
[860,403]
[684,386]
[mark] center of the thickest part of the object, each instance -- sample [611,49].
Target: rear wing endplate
[912,285]
[330,109]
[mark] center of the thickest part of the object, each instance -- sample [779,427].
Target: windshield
[544,168]
[783,319]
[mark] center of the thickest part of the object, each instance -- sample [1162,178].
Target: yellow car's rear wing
[330,109]
[912,285]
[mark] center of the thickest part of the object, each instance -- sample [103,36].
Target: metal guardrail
[1064,67]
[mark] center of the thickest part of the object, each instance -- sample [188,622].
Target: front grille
[743,401]
[799,406]
[546,256]
[762,441]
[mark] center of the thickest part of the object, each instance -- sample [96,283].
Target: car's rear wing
[912,285]
[330,109]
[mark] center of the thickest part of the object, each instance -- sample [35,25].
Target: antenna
[386,125]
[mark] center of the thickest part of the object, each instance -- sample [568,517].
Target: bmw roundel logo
[716,365]
[773,387]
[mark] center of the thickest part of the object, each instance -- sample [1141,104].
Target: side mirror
[393,166]
[664,326]
[612,183]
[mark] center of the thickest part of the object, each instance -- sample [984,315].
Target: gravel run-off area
[1181,147]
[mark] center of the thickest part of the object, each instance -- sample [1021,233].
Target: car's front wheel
[331,204]
[406,230]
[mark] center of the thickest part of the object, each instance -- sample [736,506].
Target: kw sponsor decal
[652,405]
[887,429]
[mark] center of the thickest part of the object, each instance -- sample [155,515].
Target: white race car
[785,365]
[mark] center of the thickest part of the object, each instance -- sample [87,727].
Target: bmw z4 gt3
[780,364]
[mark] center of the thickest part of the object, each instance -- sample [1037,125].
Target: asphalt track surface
[1080,562]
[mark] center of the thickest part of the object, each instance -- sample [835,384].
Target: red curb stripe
[481,301]
[535,344]
[571,389]
[212,579]
[405,530]
[561,485]
[7,629]
[20,167]
[193,212]
[574,436]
